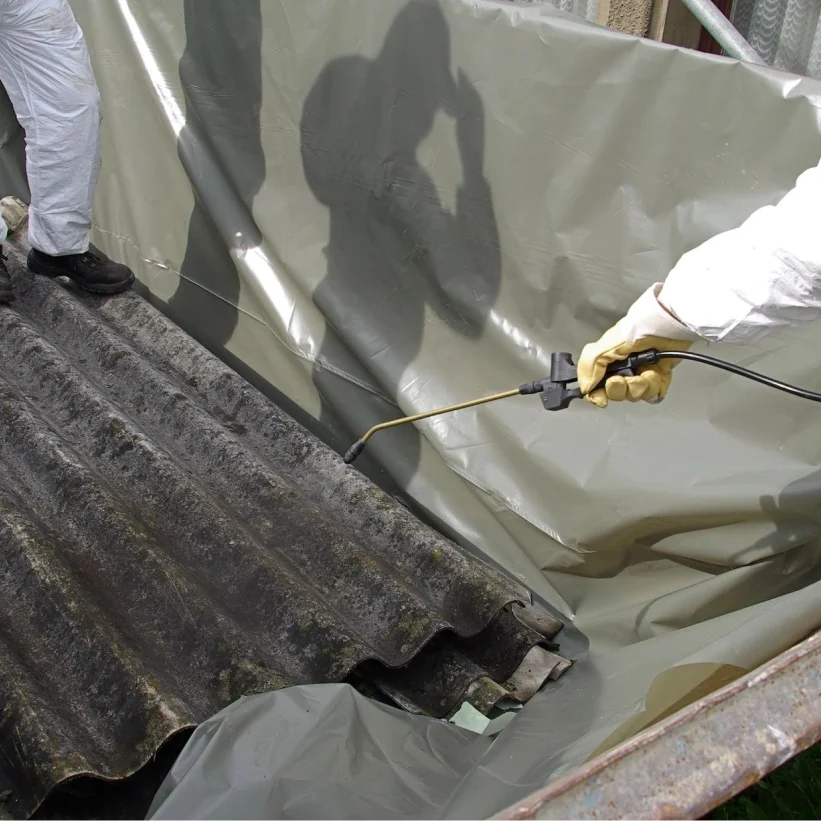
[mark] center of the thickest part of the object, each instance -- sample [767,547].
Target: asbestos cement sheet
[170,541]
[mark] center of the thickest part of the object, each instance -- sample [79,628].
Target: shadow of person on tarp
[796,513]
[786,558]
[795,541]
[221,76]
[395,252]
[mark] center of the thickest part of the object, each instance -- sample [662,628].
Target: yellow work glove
[647,325]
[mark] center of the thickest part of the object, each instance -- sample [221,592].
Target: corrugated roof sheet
[170,541]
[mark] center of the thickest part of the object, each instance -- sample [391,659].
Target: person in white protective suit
[46,71]
[736,287]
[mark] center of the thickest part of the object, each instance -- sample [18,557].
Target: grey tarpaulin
[373,208]
[305,752]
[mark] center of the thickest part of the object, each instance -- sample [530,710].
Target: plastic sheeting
[256,758]
[372,209]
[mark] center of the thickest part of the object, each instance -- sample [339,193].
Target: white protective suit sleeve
[46,71]
[744,283]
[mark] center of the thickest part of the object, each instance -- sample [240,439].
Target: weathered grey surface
[170,541]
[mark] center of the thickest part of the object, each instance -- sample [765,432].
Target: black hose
[739,371]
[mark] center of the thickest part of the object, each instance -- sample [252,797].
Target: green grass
[791,791]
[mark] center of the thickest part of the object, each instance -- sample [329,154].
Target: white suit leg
[46,71]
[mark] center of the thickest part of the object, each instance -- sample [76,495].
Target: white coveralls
[744,283]
[46,71]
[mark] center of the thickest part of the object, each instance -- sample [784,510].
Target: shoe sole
[54,271]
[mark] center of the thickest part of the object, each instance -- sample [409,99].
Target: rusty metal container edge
[701,756]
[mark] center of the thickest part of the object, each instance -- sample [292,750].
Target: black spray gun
[560,388]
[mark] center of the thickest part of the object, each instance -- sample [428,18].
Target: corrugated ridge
[86,572]
[343,573]
[342,579]
[346,496]
[74,717]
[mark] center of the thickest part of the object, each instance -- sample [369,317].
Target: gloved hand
[647,325]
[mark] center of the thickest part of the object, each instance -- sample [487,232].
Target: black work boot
[6,294]
[92,270]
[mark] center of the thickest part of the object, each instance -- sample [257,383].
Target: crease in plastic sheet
[445,194]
